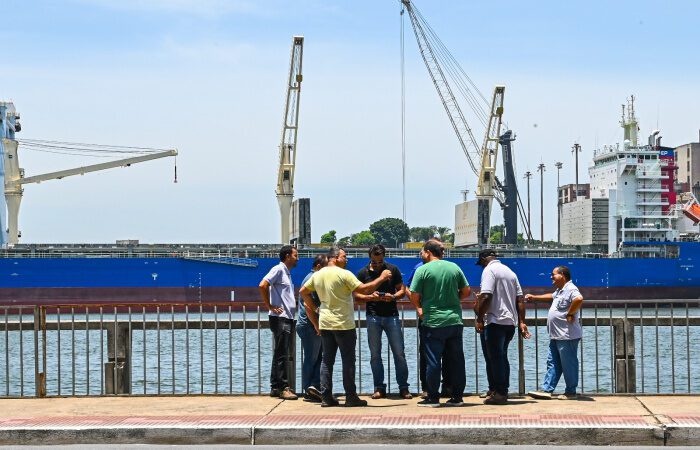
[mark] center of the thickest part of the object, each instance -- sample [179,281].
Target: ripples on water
[234,361]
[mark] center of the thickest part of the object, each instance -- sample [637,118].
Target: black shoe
[454,402]
[275,392]
[329,402]
[496,399]
[354,400]
[429,403]
[312,392]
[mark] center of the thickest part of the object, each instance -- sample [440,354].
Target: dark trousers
[444,344]
[489,374]
[331,341]
[496,339]
[282,335]
[423,364]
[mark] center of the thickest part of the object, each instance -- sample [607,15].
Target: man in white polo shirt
[499,308]
[277,292]
[565,333]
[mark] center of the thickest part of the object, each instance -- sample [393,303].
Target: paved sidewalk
[600,420]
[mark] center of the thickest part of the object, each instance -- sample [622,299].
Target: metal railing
[78,350]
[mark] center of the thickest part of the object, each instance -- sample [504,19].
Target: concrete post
[625,364]
[118,368]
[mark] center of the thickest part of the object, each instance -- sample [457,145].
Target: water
[234,361]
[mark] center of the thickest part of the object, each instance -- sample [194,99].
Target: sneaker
[573,396]
[540,395]
[353,400]
[488,393]
[378,394]
[287,394]
[274,392]
[405,394]
[496,399]
[329,402]
[429,403]
[454,402]
[313,392]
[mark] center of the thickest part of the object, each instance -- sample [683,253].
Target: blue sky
[207,77]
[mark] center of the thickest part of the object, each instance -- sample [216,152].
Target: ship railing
[641,346]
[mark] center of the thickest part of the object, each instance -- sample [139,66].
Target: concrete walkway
[600,420]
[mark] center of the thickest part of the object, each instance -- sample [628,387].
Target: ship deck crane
[288,144]
[14,177]
[443,67]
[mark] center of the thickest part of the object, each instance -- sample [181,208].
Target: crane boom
[454,112]
[288,144]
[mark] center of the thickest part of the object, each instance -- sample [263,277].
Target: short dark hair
[563,270]
[285,251]
[377,249]
[320,260]
[333,252]
[435,247]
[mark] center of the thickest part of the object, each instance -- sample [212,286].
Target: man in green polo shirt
[437,289]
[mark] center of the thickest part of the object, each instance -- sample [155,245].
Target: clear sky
[208,77]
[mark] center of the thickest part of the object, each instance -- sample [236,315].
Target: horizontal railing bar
[181,324]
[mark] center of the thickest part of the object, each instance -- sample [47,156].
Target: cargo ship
[102,274]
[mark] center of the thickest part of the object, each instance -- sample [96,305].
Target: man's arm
[573,308]
[415,299]
[367,288]
[520,306]
[264,288]
[543,297]
[465,292]
[310,307]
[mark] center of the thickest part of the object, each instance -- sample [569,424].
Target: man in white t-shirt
[499,308]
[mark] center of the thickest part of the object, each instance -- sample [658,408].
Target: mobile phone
[381,294]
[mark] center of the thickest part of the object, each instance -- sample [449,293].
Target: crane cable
[403,115]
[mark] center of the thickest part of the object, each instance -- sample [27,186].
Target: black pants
[331,341]
[423,365]
[496,339]
[282,335]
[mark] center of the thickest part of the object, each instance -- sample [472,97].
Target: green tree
[328,238]
[420,234]
[443,232]
[390,231]
[344,241]
[363,238]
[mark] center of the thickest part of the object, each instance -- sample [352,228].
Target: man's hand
[386,274]
[277,310]
[524,332]
[387,297]
[479,326]
[570,318]
[419,311]
[318,332]
[528,297]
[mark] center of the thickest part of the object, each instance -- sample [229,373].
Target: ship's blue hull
[146,280]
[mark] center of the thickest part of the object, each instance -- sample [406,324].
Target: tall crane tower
[12,176]
[288,144]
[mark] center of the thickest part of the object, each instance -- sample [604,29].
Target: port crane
[14,178]
[288,143]
[443,67]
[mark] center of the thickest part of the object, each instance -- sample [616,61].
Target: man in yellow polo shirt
[335,321]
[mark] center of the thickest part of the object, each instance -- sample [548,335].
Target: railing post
[121,343]
[40,370]
[625,364]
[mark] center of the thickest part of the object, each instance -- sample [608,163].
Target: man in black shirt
[382,315]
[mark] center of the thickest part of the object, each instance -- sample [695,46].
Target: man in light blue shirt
[565,332]
[277,292]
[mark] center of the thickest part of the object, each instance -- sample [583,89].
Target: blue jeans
[562,358]
[332,341]
[392,327]
[311,367]
[496,339]
[444,344]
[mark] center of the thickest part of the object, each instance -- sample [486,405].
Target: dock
[591,420]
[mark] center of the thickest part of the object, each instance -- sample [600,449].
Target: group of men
[437,287]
